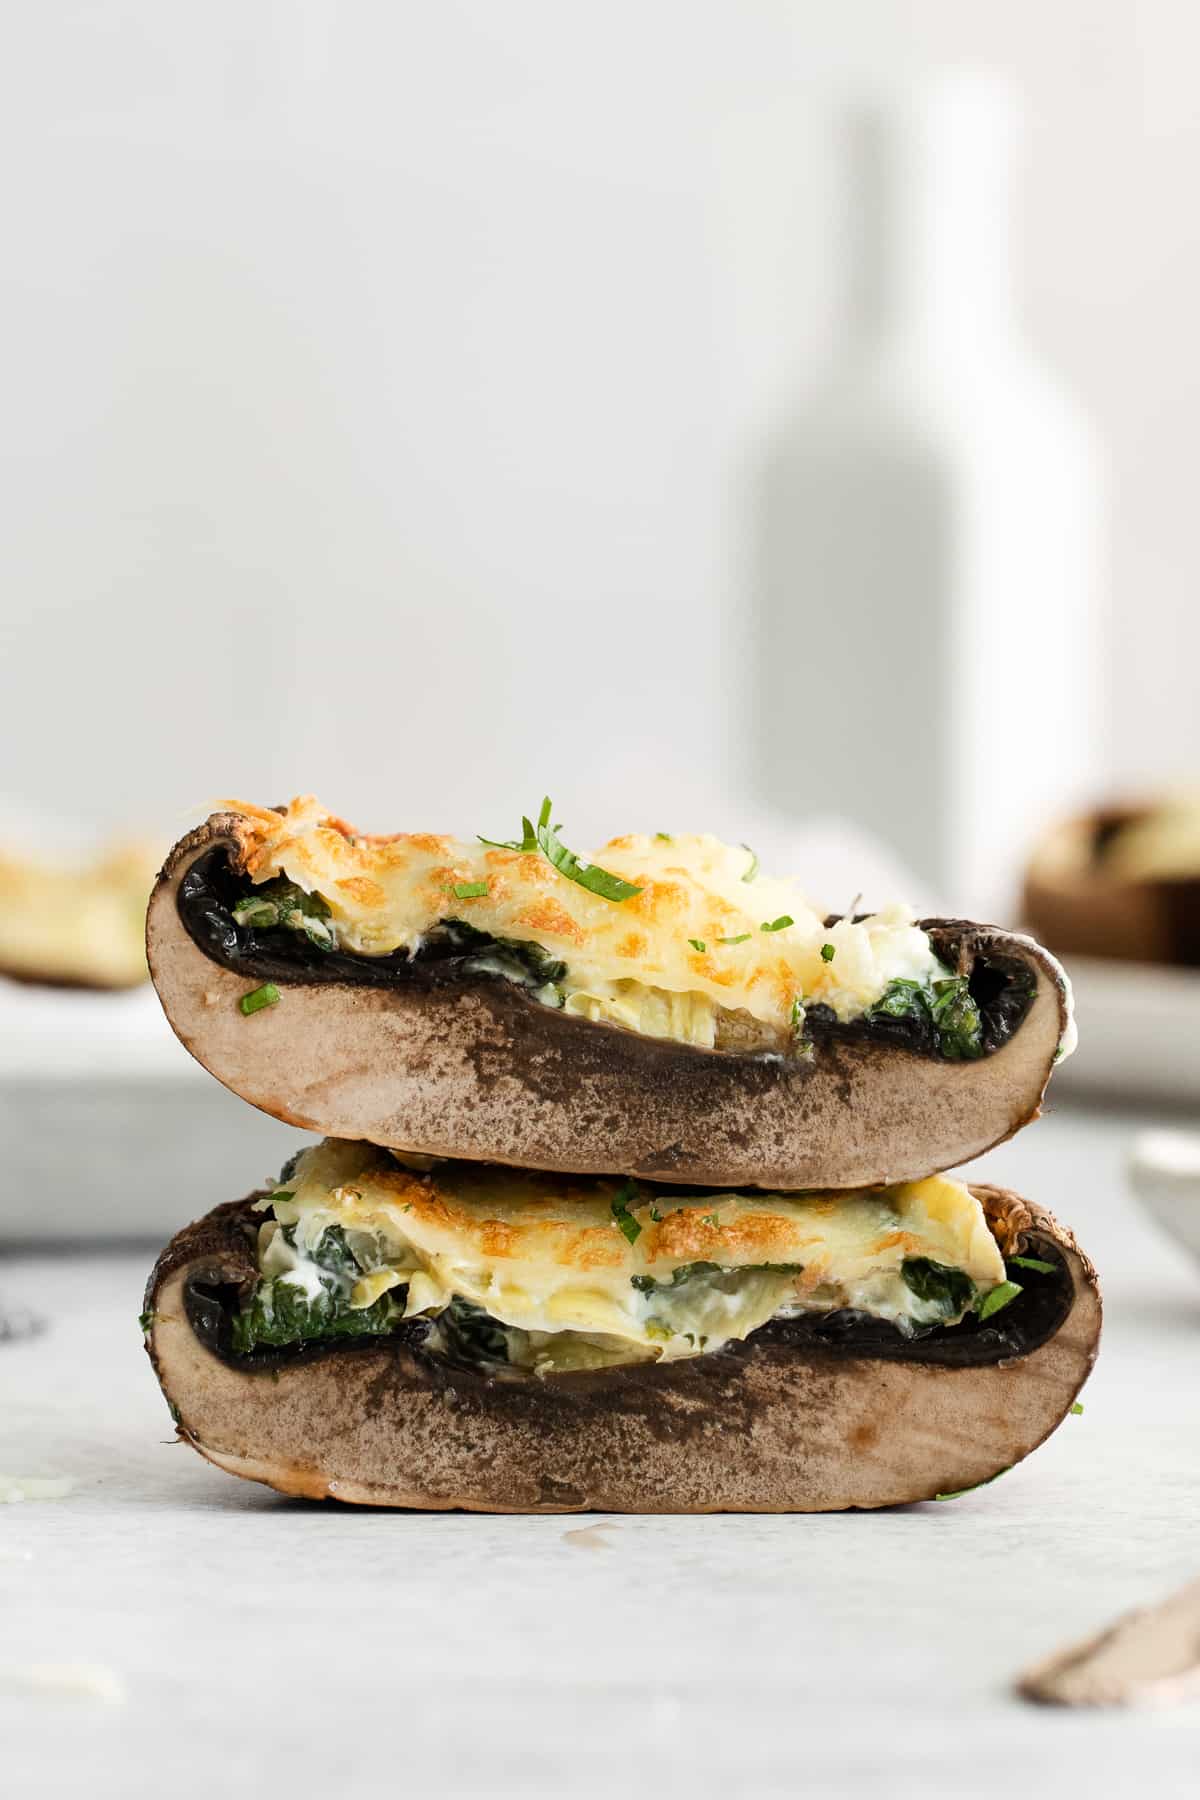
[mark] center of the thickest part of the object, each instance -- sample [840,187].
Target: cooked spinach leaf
[281,1311]
[281,905]
[945,1007]
[901,999]
[469,1335]
[516,958]
[646,1284]
[950,1290]
[956,1019]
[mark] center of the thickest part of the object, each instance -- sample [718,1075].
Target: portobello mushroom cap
[795,1419]
[417,1056]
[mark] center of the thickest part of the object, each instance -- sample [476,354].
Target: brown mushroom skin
[479,1070]
[761,1427]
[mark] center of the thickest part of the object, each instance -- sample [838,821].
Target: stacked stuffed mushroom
[629,1193]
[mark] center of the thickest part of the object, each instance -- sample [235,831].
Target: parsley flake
[698,944]
[544,837]
[1032,1262]
[625,1220]
[1001,1295]
[779,924]
[752,871]
[828,952]
[586,875]
[266,995]
[743,937]
[470,890]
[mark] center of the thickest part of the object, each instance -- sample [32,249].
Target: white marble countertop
[247,1645]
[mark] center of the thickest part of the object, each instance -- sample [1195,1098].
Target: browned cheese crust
[755,1428]
[479,1069]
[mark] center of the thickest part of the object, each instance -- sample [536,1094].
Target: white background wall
[379,383]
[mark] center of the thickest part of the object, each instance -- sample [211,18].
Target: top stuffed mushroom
[666,1010]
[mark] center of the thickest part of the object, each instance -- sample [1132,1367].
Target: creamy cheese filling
[577,1272]
[698,935]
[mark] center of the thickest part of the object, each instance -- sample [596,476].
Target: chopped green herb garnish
[282,1194]
[470,890]
[797,1016]
[527,843]
[620,1211]
[1031,1262]
[654,1213]
[145,1320]
[828,952]
[711,1219]
[752,871]
[584,874]
[698,944]
[266,995]
[743,937]
[999,1296]
[1076,1408]
[779,924]
[664,837]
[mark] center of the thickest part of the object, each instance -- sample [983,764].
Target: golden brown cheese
[688,946]
[546,1254]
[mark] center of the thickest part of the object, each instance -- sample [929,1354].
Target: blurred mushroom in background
[79,922]
[1121,881]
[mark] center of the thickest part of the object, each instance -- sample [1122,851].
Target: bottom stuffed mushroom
[465,1335]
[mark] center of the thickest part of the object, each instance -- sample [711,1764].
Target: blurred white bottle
[930,534]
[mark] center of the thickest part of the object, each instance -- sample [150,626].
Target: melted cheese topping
[84,925]
[550,1257]
[634,962]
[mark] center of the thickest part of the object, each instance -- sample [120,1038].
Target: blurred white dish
[1139,1030]
[1165,1171]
